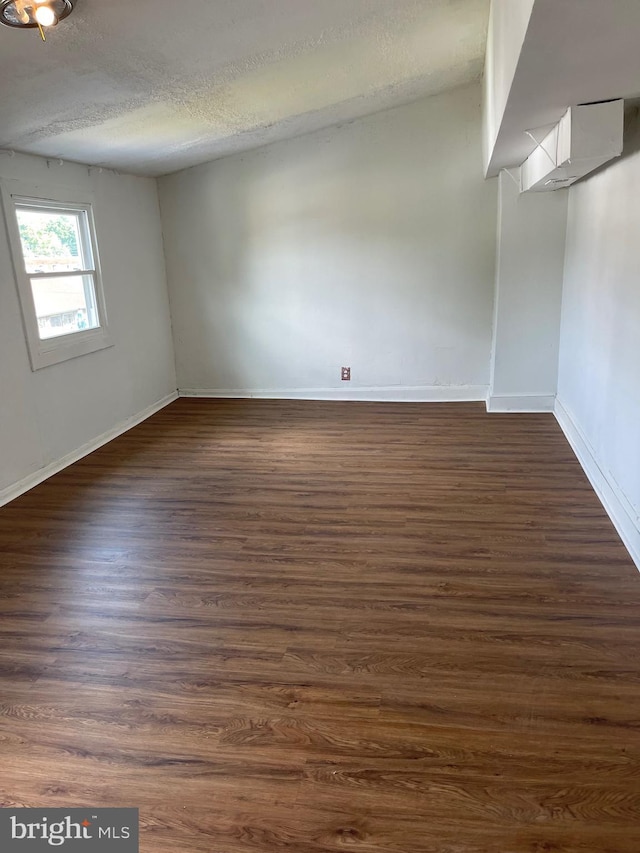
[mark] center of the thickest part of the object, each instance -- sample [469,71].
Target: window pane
[51,242]
[64,305]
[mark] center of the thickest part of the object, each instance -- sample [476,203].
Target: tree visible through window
[54,243]
[55,259]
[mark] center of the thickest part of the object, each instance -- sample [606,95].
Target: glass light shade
[45,16]
[21,14]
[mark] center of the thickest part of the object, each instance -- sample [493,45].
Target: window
[57,271]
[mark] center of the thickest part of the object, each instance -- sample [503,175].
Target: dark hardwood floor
[298,626]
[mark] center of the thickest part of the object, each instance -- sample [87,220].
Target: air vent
[585,137]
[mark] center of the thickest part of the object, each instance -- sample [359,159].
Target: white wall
[370,245]
[508,22]
[599,373]
[49,414]
[529,273]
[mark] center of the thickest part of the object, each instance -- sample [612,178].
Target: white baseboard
[14,491]
[395,393]
[520,403]
[613,499]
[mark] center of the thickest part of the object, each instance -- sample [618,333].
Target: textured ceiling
[153,86]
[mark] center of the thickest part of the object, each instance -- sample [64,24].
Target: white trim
[394,393]
[14,491]
[613,499]
[520,402]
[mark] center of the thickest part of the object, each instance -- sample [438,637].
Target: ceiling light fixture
[34,14]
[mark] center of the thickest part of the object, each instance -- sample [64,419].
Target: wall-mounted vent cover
[584,138]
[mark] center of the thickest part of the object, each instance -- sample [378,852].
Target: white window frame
[44,353]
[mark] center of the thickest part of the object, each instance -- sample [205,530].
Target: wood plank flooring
[299,626]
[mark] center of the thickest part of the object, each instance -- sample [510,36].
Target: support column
[528,297]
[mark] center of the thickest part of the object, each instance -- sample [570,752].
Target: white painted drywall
[574,52]
[49,414]
[508,22]
[529,273]
[599,368]
[371,245]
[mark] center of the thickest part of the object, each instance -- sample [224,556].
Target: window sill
[57,350]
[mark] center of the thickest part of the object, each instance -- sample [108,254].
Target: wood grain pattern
[270,625]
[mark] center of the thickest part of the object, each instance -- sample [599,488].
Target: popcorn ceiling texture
[154,86]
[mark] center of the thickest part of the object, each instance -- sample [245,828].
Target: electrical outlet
[346,374]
